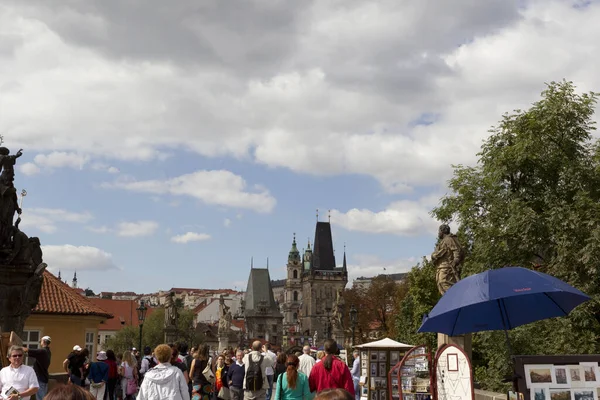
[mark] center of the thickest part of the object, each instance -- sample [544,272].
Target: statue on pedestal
[447,258]
[171,313]
[337,313]
[21,264]
[225,317]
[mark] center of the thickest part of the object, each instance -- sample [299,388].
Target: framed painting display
[561,377]
[374,356]
[394,357]
[414,376]
[540,393]
[589,373]
[453,362]
[383,356]
[584,394]
[374,369]
[382,369]
[560,394]
[538,375]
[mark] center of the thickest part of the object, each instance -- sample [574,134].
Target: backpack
[254,376]
[151,363]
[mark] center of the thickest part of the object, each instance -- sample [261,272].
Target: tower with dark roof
[317,281]
[261,312]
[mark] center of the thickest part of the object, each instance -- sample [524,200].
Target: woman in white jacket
[163,381]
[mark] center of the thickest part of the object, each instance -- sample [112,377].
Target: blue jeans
[356,389]
[270,388]
[41,393]
[76,380]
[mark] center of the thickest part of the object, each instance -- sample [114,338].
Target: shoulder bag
[207,372]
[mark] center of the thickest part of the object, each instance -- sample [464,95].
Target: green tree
[153,332]
[533,200]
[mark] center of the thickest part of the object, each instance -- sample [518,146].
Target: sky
[166,144]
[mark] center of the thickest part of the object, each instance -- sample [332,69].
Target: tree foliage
[376,304]
[153,332]
[533,200]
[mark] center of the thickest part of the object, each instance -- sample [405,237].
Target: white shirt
[21,378]
[266,363]
[306,364]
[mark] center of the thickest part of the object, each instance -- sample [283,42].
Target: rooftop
[56,297]
[124,312]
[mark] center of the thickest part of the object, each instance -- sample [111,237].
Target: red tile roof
[124,311]
[56,297]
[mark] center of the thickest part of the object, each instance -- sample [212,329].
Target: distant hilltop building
[364,283]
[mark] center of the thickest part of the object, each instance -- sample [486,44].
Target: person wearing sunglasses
[17,381]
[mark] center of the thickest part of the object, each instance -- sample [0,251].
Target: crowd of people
[170,372]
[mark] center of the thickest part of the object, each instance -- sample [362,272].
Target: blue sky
[166,145]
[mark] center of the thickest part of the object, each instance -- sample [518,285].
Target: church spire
[74,283]
[344,265]
[59,277]
[294,253]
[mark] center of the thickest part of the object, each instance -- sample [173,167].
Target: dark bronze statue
[21,264]
[447,258]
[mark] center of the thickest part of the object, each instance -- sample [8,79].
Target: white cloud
[112,170]
[69,257]
[190,237]
[368,266]
[29,169]
[47,219]
[212,187]
[99,229]
[61,159]
[405,217]
[227,222]
[139,228]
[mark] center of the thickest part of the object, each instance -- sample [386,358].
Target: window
[295,317]
[274,328]
[31,340]
[295,274]
[295,296]
[89,342]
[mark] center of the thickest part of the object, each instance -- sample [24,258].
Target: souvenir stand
[376,358]
[413,376]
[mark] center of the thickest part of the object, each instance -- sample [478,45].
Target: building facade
[312,283]
[261,312]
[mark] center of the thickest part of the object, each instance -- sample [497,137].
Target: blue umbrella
[501,299]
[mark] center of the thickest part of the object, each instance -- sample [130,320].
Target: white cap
[47,338]
[133,349]
[76,348]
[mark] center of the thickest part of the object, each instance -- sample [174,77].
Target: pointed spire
[329,215]
[74,283]
[344,265]
[294,254]
[267,262]
[317,215]
[59,277]
[251,262]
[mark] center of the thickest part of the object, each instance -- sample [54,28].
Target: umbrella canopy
[385,344]
[501,299]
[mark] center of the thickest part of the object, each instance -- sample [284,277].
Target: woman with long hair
[202,388]
[330,373]
[128,371]
[280,365]
[68,392]
[292,384]
[113,373]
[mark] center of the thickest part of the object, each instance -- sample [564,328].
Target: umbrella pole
[515,379]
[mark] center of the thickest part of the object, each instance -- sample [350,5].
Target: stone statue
[171,314]
[315,337]
[225,317]
[447,258]
[337,314]
[21,251]
[8,195]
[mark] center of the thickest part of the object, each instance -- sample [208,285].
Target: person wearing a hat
[73,366]
[98,376]
[42,363]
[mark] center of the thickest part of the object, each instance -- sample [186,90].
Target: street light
[141,311]
[353,315]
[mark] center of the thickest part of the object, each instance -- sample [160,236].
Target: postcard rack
[413,377]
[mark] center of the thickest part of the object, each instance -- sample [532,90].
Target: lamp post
[141,310]
[353,315]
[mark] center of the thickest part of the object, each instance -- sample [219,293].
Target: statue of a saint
[315,337]
[337,314]
[225,316]
[447,258]
[8,195]
[170,310]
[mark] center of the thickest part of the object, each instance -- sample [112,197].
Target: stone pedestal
[223,342]
[465,342]
[338,336]
[20,288]
[171,334]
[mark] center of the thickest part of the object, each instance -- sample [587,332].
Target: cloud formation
[48,220]
[217,187]
[135,229]
[190,237]
[76,258]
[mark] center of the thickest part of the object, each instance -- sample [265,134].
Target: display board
[375,365]
[573,377]
[414,375]
[453,374]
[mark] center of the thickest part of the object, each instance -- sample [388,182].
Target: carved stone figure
[315,337]
[225,323]
[337,313]
[171,314]
[36,250]
[21,251]
[8,195]
[447,258]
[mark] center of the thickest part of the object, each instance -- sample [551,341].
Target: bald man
[307,362]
